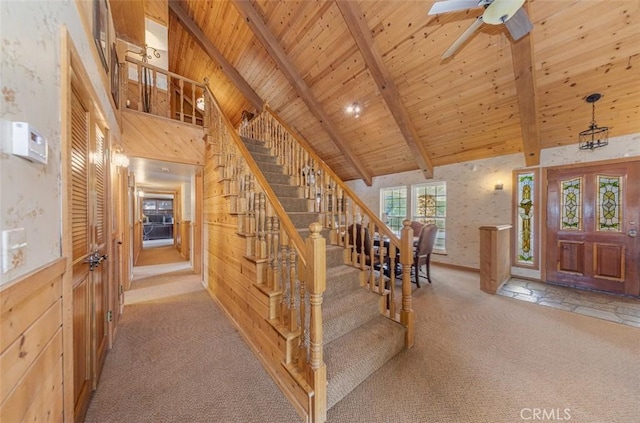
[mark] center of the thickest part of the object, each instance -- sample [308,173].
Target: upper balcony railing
[157,91]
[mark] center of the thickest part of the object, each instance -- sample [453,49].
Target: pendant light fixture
[595,136]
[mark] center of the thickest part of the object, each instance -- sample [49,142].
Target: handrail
[164,71]
[153,97]
[379,223]
[285,221]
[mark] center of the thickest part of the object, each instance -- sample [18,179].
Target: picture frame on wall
[115,76]
[100,30]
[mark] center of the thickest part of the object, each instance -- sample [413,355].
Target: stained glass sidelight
[609,203]
[524,230]
[571,205]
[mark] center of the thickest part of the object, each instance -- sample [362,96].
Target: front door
[593,219]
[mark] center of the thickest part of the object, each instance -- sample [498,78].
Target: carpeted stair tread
[335,255]
[293,204]
[355,356]
[342,314]
[277,178]
[341,280]
[285,190]
[270,167]
[263,157]
[303,219]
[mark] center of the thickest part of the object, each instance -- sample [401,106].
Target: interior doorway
[158,220]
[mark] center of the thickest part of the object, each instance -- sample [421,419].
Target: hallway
[178,359]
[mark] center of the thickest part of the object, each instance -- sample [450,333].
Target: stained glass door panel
[593,216]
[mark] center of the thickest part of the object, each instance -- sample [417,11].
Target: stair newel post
[275,252]
[406,259]
[293,318]
[392,282]
[317,282]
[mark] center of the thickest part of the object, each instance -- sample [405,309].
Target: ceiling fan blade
[464,37]
[455,5]
[519,24]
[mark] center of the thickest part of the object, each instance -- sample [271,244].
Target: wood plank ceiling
[459,109]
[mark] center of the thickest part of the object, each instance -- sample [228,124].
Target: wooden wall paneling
[128,20]
[158,10]
[25,402]
[34,345]
[157,138]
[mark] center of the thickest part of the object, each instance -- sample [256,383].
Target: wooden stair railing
[340,210]
[291,272]
[162,93]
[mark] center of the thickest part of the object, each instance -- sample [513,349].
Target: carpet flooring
[477,358]
[487,358]
[178,359]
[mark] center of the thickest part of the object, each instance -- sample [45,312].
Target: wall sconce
[498,186]
[120,160]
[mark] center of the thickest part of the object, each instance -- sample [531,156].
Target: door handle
[633,233]
[95,259]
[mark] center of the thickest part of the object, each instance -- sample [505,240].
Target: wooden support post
[406,259]
[317,283]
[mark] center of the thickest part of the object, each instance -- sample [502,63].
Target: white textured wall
[471,199]
[30,80]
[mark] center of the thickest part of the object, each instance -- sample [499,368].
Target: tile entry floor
[615,308]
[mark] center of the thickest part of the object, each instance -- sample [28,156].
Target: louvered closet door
[100,274]
[81,239]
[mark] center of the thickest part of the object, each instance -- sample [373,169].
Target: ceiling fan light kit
[595,136]
[497,12]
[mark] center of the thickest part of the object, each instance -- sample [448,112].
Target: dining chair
[417,228]
[422,252]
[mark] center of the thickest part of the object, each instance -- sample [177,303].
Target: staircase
[358,339]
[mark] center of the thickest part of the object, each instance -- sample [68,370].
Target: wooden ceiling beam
[361,33]
[234,76]
[277,53]
[525,80]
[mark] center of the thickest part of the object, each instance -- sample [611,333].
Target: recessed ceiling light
[165,170]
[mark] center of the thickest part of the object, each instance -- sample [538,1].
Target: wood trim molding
[16,291]
[279,56]
[234,76]
[361,33]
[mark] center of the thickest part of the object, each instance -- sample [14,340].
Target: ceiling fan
[497,12]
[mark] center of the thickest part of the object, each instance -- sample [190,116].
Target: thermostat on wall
[28,143]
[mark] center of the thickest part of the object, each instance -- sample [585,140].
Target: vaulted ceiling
[308,60]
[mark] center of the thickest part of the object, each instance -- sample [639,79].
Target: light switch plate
[14,242]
